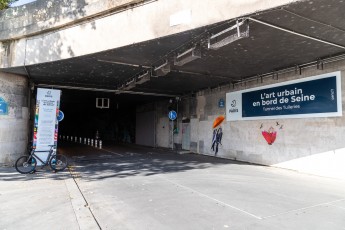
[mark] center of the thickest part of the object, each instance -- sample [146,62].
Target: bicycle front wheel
[58,162]
[25,164]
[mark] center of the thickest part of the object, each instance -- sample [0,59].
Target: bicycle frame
[44,163]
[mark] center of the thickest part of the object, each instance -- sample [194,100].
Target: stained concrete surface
[141,188]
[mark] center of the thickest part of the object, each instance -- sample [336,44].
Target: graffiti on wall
[270,134]
[217,134]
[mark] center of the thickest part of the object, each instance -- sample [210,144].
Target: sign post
[46,122]
[60,116]
[172,116]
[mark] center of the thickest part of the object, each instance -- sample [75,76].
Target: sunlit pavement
[143,188]
[122,187]
[35,201]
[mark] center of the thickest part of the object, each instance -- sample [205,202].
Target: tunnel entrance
[118,123]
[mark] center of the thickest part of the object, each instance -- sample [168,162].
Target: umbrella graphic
[218,121]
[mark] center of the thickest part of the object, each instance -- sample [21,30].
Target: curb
[84,216]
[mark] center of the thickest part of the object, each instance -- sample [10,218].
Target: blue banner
[318,96]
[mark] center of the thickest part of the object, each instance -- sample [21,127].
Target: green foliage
[4,4]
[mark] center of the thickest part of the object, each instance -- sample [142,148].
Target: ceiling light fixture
[228,36]
[188,56]
[143,78]
[129,84]
[161,70]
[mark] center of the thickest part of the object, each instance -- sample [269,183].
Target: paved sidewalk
[44,200]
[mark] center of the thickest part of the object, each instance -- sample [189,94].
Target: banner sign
[46,123]
[317,96]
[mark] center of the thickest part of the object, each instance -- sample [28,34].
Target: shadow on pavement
[127,161]
[10,174]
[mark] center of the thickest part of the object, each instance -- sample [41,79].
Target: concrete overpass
[105,46]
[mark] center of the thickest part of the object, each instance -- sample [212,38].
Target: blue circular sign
[221,103]
[60,116]
[172,115]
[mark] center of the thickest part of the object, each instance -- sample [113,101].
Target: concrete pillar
[14,118]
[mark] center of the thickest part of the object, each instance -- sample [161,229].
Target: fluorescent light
[187,56]
[162,70]
[143,78]
[229,35]
[129,84]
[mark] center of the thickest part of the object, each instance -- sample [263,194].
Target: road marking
[112,152]
[104,156]
[78,156]
[300,209]
[337,206]
[132,154]
[152,153]
[211,198]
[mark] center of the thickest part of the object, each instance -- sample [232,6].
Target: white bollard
[85,140]
[80,140]
[91,142]
[67,138]
[88,141]
[100,144]
[75,139]
[63,137]
[96,143]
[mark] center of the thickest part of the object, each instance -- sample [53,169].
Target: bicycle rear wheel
[25,164]
[58,162]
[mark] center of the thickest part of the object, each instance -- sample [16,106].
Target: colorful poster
[317,96]
[46,123]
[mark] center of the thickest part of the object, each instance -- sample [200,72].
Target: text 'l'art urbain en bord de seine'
[316,96]
[284,97]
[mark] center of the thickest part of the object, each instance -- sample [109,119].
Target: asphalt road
[142,188]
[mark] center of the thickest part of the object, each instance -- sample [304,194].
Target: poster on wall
[317,96]
[46,123]
[3,107]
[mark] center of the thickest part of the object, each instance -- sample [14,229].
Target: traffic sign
[60,116]
[172,115]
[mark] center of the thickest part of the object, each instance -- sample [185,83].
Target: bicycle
[27,164]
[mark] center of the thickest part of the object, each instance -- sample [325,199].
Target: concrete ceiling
[265,50]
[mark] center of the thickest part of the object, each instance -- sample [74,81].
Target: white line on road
[337,206]
[211,198]
[112,152]
[300,209]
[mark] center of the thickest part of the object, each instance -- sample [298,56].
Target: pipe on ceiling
[296,33]
[106,90]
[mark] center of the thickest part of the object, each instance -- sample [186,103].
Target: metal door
[186,136]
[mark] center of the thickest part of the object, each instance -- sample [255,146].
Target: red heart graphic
[270,137]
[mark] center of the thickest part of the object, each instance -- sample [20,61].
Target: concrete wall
[13,126]
[46,15]
[311,145]
[58,31]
